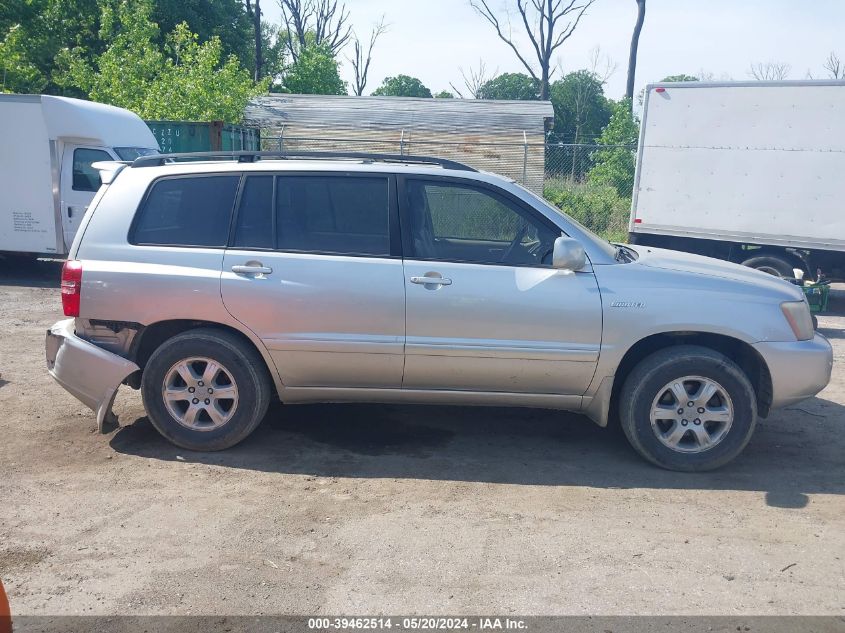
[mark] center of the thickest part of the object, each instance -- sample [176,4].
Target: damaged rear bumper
[89,373]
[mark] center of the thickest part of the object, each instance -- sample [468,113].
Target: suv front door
[485,310]
[313,269]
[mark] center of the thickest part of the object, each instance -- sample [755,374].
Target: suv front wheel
[688,408]
[205,390]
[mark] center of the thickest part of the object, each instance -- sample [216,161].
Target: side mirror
[568,254]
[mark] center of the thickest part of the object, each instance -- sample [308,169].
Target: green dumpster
[193,136]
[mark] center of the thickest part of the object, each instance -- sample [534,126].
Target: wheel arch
[151,337]
[743,354]
[791,257]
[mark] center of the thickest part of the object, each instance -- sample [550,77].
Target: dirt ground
[403,510]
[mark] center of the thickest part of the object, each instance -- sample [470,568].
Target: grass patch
[598,207]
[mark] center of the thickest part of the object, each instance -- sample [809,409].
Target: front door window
[458,223]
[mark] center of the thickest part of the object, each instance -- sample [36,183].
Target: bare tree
[548,24]
[323,20]
[256,24]
[361,60]
[833,65]
[475,80]
[632,57]
[769,71]
[588,84]
[601,65]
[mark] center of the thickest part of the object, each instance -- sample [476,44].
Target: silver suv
[214,286]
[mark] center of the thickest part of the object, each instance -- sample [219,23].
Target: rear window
[187,212]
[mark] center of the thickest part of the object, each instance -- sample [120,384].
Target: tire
[773,265]
[216,422]
[645,389]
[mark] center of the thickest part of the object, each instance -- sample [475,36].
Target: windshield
[131,153]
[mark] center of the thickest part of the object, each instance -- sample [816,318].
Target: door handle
[252,270]
[431,281]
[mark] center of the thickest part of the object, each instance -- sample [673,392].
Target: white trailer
[48,146]
[750,172]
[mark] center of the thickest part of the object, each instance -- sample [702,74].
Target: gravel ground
[392,509]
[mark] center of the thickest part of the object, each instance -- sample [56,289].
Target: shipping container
[192,136]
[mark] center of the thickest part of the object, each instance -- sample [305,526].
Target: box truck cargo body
[746,171]
[46,174]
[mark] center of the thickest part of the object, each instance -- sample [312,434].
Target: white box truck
[752,172]
[46,178]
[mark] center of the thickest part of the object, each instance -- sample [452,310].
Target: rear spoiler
[109,169]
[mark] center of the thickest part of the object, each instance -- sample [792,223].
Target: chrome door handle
[431,281]
[252,270]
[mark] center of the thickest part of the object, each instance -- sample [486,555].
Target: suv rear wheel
[688,408]
[205,390]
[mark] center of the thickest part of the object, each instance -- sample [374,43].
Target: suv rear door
[313,268]
[494,317]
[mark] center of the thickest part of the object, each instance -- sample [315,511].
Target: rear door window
[333,214]
[255,214]
[343,215]
[187,211]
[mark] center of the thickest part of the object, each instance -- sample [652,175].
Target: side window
[191,211]
[85,177]
[255,214]
[333,214]
[454,222]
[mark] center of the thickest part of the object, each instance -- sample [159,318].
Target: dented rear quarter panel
[148,284]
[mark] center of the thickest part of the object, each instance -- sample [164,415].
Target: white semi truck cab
[749,172]
[46,173]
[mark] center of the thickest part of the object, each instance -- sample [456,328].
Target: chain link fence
[590,182]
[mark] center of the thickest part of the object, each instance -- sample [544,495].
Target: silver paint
[340,328]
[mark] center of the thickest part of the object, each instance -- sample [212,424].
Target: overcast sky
[431,39]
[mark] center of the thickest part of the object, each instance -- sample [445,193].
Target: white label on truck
[24,222]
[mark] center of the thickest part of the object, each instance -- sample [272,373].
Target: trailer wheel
[771,264]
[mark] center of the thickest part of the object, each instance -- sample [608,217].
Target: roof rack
[156,160]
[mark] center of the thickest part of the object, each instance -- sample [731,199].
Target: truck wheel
[688,408]
[205,390]
[771,264]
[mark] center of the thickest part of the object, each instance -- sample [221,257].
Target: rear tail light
[71,287]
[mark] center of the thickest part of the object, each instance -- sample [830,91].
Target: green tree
[581,109]
[402,86]
[444,94]
[20,72]
[669,79]
[674,78]
[614,163]
[273,52]
[315,71]
[516,86]
[225,19]
[32,32]
[185,80]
